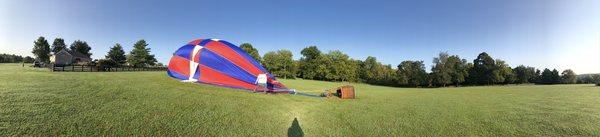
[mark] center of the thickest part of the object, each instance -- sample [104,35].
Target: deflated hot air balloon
[218,62]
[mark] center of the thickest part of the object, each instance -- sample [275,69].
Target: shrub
[104,64]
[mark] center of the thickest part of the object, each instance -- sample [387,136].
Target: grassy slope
[38,102]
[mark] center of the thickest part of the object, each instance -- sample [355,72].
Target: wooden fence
[93,68]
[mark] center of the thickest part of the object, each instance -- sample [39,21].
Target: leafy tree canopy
[248,48]
[41,49]
[81,47]
[58,45]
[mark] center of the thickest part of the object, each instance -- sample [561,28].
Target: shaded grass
[36,102]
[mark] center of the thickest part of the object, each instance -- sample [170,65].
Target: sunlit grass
[36,102]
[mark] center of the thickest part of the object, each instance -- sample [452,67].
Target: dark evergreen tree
[555,77]
[547,77]
[116,54]
[537,76]
[140,55]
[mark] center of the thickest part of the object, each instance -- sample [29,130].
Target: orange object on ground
[345,92]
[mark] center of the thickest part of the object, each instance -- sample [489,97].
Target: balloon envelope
[218,62]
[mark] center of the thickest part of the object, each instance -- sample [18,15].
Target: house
[64,57]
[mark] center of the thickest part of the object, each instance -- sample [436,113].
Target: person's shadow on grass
[295,130]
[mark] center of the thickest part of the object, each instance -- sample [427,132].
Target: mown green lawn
[36,102]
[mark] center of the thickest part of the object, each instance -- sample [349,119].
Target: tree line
[589,79]
[337,66]
[12,58]
[446,70]
[139,56]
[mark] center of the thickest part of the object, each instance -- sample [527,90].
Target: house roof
[74,54]
[77,54]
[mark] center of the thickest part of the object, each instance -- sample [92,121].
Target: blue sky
[541,33]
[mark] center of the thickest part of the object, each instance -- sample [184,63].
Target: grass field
[36,102]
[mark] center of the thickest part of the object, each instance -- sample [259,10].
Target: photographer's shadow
[295,130]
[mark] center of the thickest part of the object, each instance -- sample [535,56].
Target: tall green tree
[140,55]
[311,63]
[373,72]
[116,54]
[340,66]
[414,72]
[248,48]
[555,77]
[459,69]
[370,70]
[58,44]
[81,47]
[484,70]
[41,49]
[506,74]
[537,76]
[569,77]
[280,63]
[523,74]
[388,75]
[548,77]
[441,70]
